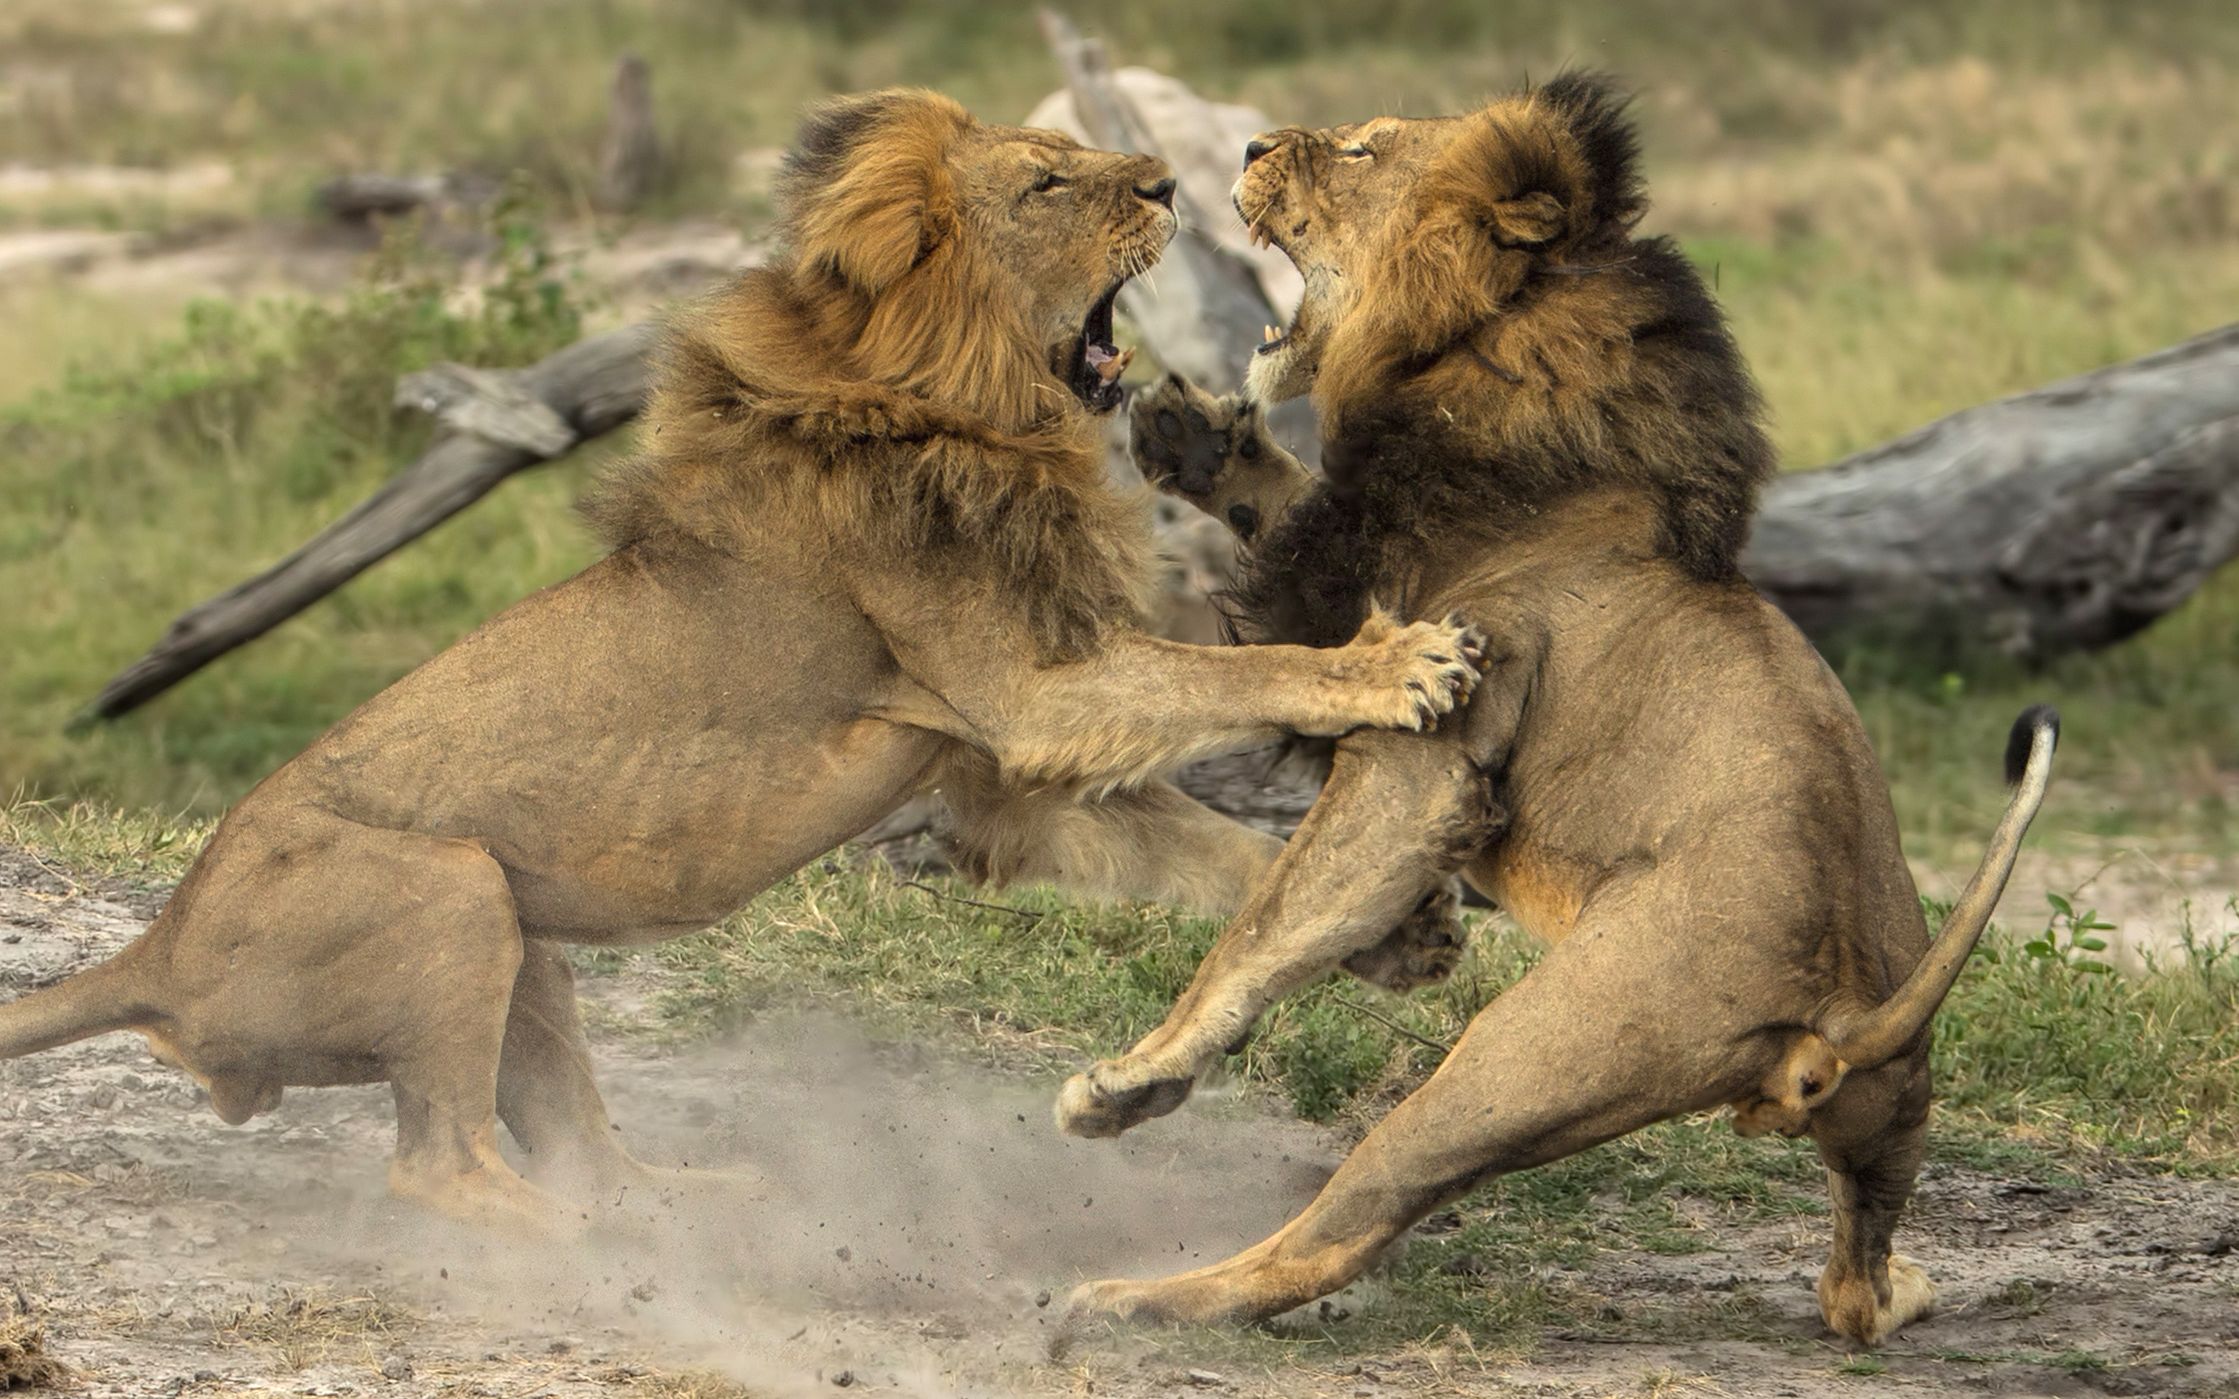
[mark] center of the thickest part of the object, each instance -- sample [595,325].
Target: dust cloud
[915,1223]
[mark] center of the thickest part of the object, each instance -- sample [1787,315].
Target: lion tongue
[1108,364]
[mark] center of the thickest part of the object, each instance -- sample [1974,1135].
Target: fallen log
[363,197]
[530,416]
[2058,520]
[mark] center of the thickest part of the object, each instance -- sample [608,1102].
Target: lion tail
[95,1001]
[1873,1037]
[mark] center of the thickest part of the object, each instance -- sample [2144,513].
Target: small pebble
[396,1367]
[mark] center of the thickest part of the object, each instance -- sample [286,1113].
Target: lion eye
[1356,152]
[1050,180]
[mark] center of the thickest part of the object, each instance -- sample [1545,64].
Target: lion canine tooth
[1269,335]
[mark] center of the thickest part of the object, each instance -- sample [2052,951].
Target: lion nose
[1255,149]
[1158,191]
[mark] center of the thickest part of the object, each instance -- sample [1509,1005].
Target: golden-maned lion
[868,549]
[1538,420]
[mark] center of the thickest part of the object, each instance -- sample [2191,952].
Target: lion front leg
[1216,453]
[1396,817]
[1135,707]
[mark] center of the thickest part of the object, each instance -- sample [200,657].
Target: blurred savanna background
[1908,207]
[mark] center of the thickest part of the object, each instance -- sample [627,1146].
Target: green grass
[141,849]
[2039,1054]
[2045,1068]
[143,485]
[136,488]
[1907,208]
[298,91]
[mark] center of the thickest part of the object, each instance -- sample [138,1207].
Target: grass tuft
[25,1362]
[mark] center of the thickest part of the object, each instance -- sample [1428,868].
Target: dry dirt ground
[916,1216]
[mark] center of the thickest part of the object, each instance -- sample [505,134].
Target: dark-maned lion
[1538,420]
[868,549]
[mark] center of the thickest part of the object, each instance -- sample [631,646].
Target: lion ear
[1527,221]
[867,185]
[1597,112]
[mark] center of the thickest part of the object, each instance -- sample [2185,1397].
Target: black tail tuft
[2036,718]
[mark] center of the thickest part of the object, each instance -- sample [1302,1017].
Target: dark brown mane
[1471,389]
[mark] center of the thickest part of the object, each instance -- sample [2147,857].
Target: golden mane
[876,384]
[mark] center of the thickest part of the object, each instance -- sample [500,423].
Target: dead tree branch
[530,416]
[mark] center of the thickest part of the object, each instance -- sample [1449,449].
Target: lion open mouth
[1284,362]
[1097,362]
[1271,338]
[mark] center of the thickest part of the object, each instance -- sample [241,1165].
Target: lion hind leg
[548,1098]
[1563,1061]
[1867,1292]
[436,979]
[1153,842]
[1423,950]
[546,1095]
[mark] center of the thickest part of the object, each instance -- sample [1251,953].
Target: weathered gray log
[1201,139]
[1203,303]
[590,388]
[361,197]
[492,404]
[631,160]
[2058,520]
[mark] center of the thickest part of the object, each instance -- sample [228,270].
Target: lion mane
[1515,343]
[876,382]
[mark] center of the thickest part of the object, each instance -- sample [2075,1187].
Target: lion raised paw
[1214,452]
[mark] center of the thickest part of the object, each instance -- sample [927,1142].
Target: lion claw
[1107,1300]
[1435,665]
